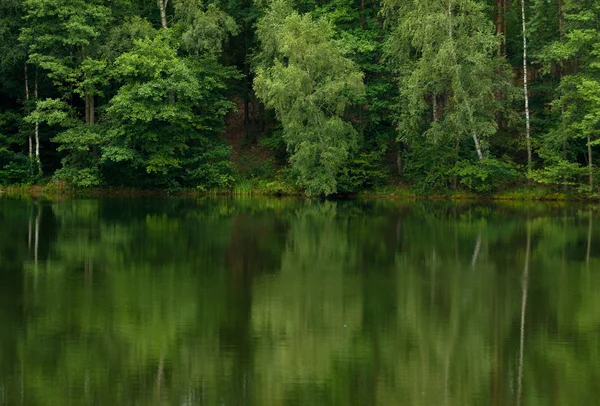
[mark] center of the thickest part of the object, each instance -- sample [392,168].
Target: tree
[307,80]
[167,112]
[62,40]
[445,57]
[579,88]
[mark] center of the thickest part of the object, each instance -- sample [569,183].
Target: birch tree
[579,49]
[307,80]
[445,55]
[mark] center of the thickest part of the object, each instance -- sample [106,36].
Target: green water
[294,302]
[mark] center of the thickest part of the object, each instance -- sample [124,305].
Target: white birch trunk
[162,5]
[37,129]
[27,109]
[525,89]
[478,146]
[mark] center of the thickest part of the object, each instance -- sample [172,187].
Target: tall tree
[62,38]
[304,76]
[578,53]
[445,55]
[167,113]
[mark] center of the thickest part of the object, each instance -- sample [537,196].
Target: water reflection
[290,302]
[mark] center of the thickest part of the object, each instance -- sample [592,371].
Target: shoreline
[526,194]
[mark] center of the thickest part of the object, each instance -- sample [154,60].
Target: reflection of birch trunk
[36,243]
[590,163]
[29,234]
[523,309]
[455,321]
[477,250]
[88,271]
[159,374]
[589,240]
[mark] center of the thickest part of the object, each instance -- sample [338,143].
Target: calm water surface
[294,302]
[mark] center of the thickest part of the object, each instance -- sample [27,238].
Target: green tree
[167,113]
[304,76]
[445,56]
[579,88]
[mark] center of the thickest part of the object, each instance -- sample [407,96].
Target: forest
[320,97]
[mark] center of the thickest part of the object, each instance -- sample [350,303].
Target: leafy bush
[365,171]
[80,178]
[428,166]
[484,176]
[254,166]
[210,168]
[561,172]
[14,168]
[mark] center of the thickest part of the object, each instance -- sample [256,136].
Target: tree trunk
[561,29]
[92,110]
[525,90]
[400,160]
[504,29]
[37,129]
[499,25]
[27,110]
[162,5]
[89,108]
[478,146]
[524,286]
[362,14]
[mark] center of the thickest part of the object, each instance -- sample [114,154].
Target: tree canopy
[322,96]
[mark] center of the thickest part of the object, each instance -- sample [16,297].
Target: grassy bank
[276,188]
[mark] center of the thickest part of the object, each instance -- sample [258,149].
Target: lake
[197,301]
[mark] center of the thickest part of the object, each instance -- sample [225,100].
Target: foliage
[485,176]
[363,172]
[332,93]
[14,168]
[305,78]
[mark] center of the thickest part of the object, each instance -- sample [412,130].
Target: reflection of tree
[525,283]
[307,314]
[169,301]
